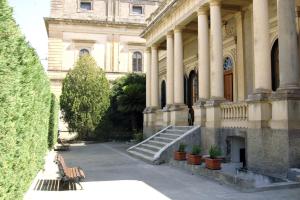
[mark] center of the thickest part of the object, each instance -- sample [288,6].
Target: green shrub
[181,147]
[214,152]
[85,97]
[53,122]
[138,137]
[24,109]
[125,114]
[196,150]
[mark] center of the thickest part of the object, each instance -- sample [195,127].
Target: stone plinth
[179,115]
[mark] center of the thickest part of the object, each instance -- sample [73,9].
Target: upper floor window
[85,5]
[137,10]
[137,62]
[84,52]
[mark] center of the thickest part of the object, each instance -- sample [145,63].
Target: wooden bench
[69,174]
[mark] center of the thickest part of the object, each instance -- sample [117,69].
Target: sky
[29,15]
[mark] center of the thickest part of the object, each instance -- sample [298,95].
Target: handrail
[149,138]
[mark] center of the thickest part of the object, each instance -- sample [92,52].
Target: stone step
[170,135]
[157,143]
[176,132]
[140,155]
[163,139]
[181,128]
[151,147]
[146,152]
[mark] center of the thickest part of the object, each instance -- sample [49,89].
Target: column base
[286,109]
[179,115]
[213,112]
[259,110]
[200,113]
[167,115]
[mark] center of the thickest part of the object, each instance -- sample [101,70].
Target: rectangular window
[86,5]
[138,10]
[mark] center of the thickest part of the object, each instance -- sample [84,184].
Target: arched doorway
[163,94]
[192,96]
[228,79]
[185,82]
[275,66]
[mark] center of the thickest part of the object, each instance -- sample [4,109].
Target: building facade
[107,29]
[232,67]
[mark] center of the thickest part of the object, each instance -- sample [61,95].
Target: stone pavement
[112,174]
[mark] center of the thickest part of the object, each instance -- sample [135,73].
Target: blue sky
[29,15]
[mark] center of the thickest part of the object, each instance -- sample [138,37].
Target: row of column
[210,50]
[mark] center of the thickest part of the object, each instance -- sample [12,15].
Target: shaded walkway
[109,162]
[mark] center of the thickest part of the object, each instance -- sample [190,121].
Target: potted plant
[213,162]
[194,158]
[180,154]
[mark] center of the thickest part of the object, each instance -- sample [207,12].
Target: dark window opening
[137,10]
[86,5]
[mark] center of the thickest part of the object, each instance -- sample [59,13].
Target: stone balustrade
[234,114]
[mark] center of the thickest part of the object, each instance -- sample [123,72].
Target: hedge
[53,122]
[24,109]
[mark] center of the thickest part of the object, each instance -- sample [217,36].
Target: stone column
[203,54]
[203,67]
[154,77]
[288,47]
[260,110]
[148,77]
[217,71]
[170,69]
[262,59]
[213,110]
[178,65]
[179,111]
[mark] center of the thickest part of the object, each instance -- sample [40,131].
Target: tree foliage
[53,122]
[124,116]
[24,109]
[85,96]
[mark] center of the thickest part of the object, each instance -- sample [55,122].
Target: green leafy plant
[125,114]
[53,122]
[214,152]
[196,150]
[24,109]
[181,147]
[85,97]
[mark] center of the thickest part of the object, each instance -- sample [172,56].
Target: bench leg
[81,188]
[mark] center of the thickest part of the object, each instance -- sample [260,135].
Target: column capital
[178,28]
[202,10]
[215,2]
[147,50]
[154,47]
[170,34]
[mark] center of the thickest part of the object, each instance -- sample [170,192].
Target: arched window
[275,66]
[228,64]
[137,62]
[84,52]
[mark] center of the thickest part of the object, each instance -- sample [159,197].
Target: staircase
[159,148]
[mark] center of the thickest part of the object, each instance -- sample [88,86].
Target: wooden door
[228,85]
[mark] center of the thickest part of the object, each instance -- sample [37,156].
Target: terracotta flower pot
[194,159]
[214,164]
[179,155]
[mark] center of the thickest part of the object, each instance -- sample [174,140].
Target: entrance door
[228,85]
[228,79]
[192,95]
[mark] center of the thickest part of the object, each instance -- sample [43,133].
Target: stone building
[109,30]
[232,67]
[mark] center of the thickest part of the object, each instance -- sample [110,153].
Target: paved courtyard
[109,163]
